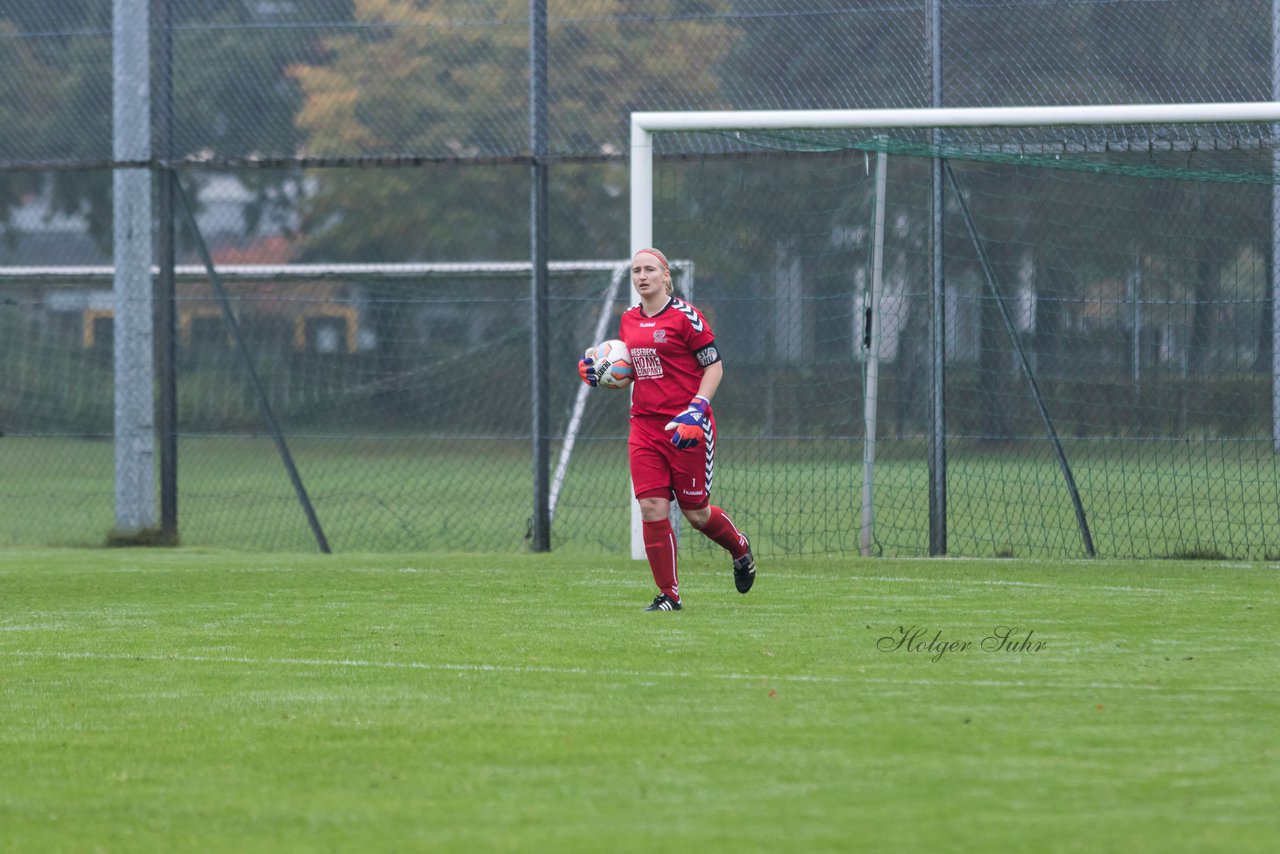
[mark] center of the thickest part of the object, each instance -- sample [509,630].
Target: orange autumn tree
[448,81]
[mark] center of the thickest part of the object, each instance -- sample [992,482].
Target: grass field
[215,701]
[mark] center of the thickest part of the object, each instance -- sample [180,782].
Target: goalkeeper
[672,443]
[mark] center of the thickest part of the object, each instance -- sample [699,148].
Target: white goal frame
[645,124]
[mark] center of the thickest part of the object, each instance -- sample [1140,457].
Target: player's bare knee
[654,509]
[697,517]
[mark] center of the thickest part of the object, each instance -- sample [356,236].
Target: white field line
[1038,686]
[795,576]
[1209,587]
[973,582]
[408,665]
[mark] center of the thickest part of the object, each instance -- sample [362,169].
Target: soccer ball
[612,364]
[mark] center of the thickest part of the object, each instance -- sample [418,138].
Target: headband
[656,254]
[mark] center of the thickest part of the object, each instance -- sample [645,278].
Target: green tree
[232,99]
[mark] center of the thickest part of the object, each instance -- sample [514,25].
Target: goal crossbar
[644,123]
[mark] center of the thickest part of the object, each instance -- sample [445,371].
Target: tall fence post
[165,287]
[1275,236]
[132,322]
[538,367]
[938,313]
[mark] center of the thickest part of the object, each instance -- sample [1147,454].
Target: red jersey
[669,352]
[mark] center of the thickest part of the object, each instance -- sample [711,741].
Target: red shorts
[661,470]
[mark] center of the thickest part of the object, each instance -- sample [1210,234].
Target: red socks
[660,546]
[720,528]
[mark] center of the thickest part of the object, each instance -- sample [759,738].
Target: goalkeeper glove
[690,424]
[587,368]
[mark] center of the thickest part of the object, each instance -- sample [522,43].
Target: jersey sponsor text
[646,362]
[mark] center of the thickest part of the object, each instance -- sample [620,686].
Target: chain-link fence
[387,135]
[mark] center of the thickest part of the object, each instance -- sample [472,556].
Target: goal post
[1201,337]
[871,344]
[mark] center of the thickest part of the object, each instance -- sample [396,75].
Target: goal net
[402,391]
[1074,323]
